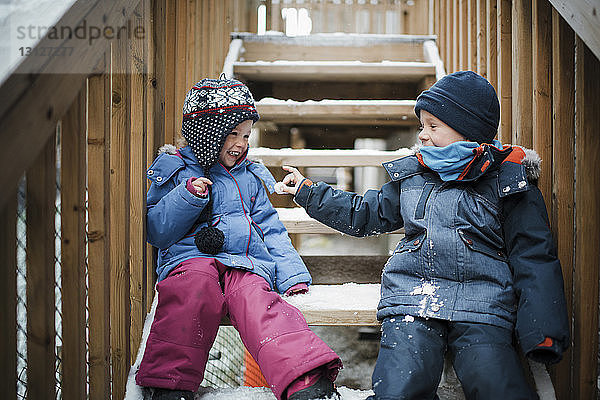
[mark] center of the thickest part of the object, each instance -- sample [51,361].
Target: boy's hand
[201,185]
[291,182]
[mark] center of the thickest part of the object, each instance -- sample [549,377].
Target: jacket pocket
[473,243]
[410,243]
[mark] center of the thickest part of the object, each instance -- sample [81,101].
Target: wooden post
[8,288]
[455,36]
[99,99]
[504,88]
[119,218]
[542,91]
[492,43]
[41,212]
[563,133]
[481,58]
[170,61]
[463,35]
[180,87]
[73,268]
[441,33]
[137,184]
[473,33]
[587,221]
[522,88]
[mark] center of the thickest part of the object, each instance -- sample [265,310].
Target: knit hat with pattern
[212,108]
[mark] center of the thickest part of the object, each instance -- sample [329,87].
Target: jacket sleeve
[538,281]
[171,210]
[290,268]
[376,212]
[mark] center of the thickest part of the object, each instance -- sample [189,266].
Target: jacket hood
[531,162]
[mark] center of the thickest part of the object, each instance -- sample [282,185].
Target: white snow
[348,297]
[248,393]
[334,64]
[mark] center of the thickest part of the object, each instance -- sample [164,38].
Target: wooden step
[296,220]
[332,305]
[338,112]
[386,71]
[324,158]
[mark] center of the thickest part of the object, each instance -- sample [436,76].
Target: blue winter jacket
[476,250]
[255,239]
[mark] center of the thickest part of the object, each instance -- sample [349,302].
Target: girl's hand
[201,185]
[291,182]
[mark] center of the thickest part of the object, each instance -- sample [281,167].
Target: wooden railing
[117,101]
[545,70]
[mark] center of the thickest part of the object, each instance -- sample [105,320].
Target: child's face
[236,144]
[436,133]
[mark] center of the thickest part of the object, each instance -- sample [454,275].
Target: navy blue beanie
[466,102]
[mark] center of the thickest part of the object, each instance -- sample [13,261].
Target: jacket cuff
[301,197]
[189,197]
[547,352]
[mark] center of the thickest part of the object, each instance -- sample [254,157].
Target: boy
[477,262]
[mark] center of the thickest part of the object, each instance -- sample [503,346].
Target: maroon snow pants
[191,303]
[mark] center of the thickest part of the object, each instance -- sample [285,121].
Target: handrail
[584,18]
[48,85]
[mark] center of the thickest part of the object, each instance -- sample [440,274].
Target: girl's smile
[236,144]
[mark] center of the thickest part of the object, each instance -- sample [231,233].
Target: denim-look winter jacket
[477,250]
[255,239]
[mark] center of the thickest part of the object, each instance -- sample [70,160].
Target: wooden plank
[73,248]
[170,51]
[491,48]
[329,270]
[473,31]
[154,135]
[334,71]
[8,288]
[584,18]
[563,171]
[137,184]
[449,58]
[41,200]
[119,218]
[296,220]
[344,305]
[542,91]
[481,58]
[464,26]
[456,35]
[442,39]
[522,79]
[159,82]
[325,158]
[339,112]
[504,88]
[50,94]
[587,221]
[98,235]
[180,68]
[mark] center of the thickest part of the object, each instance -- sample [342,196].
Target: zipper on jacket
[245,215]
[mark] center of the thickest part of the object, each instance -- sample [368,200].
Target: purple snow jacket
[255,239]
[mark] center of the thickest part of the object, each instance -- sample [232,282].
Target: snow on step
[248,393]
[296,220]
[347,304]
[379,112]
[324,158]
[384,71]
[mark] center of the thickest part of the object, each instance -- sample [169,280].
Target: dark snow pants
[411,360]
[193,299]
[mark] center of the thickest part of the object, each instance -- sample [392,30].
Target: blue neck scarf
[450,161]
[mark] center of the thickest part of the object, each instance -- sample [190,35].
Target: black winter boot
[321,389]
[151,393]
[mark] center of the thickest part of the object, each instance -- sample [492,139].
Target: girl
[223,250]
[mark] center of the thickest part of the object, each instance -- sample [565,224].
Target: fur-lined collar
[531,162]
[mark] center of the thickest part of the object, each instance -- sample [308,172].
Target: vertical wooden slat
[119,218]
[170,76]
[159,82]
[455,35]
[504,30]
[137,183]
[99,99]
[542,90]
[180,70]
[587,221]
[8,289]
[473,32]
[441,33]
[563,132]
[41,199]
[492,43]
[482,40]
[462,38]
[190,37]
[522,88]
[73,268]
[153,135]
